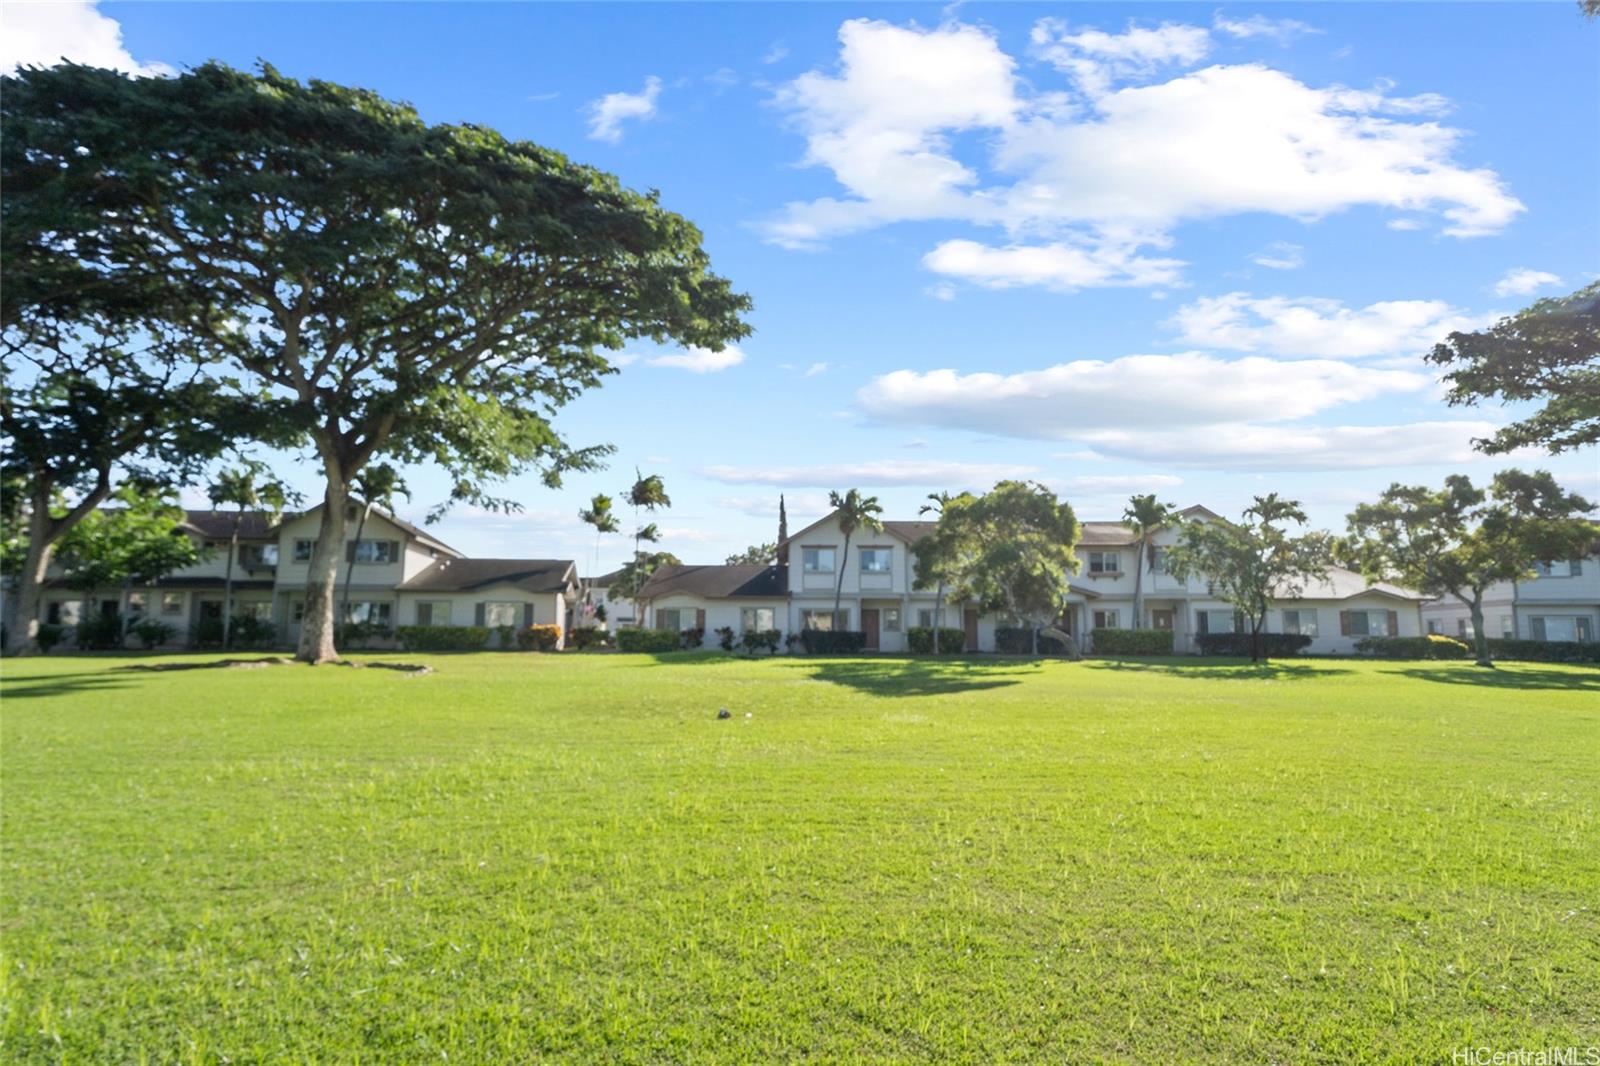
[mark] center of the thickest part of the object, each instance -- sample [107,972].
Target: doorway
[1161,618]
[969,622]
[869,625]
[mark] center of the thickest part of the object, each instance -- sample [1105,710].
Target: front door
[1161,619]
[869,625]
[969,621]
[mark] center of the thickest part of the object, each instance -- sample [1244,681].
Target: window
[1105,562]
[1559,627]
[297,611]
[1107,619]
[1435,628]
[260,610]
[302,550]
[1508,627]
[1215,621]
[1301,621]
[433,612]
[876,560]
[372,551]
[136,603]
[1158,560]
[925,617]
[373,611]
[171,603]
[502,613]
[891,619]
[817,560]
[259,555]
[823,620]
[1369,624]
[757,619]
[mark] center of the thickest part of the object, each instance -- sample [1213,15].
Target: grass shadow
[34,686]
[1221,670]
[898,677]
[1514,677]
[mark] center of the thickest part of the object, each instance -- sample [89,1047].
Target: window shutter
[424,614]
[479,612]
[1202,622]
[527,615]
[1394,624]
[349,551]
[1344,623]
[699,618]
[1577,567]
[394,551]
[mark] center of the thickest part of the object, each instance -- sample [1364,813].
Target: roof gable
[471,575]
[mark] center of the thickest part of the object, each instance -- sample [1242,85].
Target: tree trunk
[1480,639]
[838,591]
[317,624]
[227,582]
[1255,637]
[22,629]
[1138,584]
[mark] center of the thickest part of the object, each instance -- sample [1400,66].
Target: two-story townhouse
[1561,601]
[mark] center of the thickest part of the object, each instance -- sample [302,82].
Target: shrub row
[1432,646]
[952,641]
[766,640]
[542,637]
[832,641]
[1273,645]
[443,638]
[648,640]
[1545,651]
[581,637]
[1131,641]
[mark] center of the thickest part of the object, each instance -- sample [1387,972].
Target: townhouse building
[1560,602]
[396,574]
[880,596]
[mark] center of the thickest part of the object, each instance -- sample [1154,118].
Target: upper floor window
[373,551]
[1105,562]
[1158,560]
[258,554]
[1560,568]
[876,560]
[302,550]
[817,560]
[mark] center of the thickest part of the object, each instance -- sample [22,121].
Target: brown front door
[869,625]
[969,621]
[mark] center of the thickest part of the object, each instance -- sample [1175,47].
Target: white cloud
[1117,164]
[1116,484]
[1151,391]
[1403,225]
[1280,255]
[43,34]
[1246,446]
[1284,31]
[816,368]
[1522,281]
[1059,266]
[777,52]
[700,360]
[1318,327]
[883,472]
[607,114]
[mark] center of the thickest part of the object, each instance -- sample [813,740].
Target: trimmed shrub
[505,637]
[1131,641]
[50,635]
[833,641]
[690,639]
[755,640]
[1273,645]
[152,633]
[207,633]
[362,634]
[1013,640]
[1432,646]
[250,632]
[542,637]
[100,631]
[920,640]
[648,640]
[725,637]
[1545,651]
[581,637]
[443,638]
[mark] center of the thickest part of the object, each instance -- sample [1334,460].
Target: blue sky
[1188,249]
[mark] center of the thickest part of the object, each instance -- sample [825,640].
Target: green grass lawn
[570,858]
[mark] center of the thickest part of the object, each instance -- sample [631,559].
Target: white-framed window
[1105,562]
[891,619]
[1508,627]
[258,555]
[137,605]
[824,620]
[260,610]
[378,612]
[1158,560]
[757,619]
[1435,628]
[502,613]
[1370,624]
[925,617]
[302,549]
[1104,619]
[433,612]
[1464,628]
[1563,627]
[1215,621]
[171,603]
[876,560]
[817,560]
[62,612]
[1302,621]
[375,551]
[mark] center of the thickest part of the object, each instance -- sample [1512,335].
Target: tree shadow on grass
[1579,679]
[33,686]
[893,677]
[1221,670]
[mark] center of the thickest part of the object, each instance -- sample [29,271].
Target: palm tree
[597,514]
[648,492]
[854,512]
[1146,515]
[247,487]
[377,484]
[937,502]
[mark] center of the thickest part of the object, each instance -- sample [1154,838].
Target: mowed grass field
[570,858]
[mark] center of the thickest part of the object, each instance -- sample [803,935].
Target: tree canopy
[1548,352]
[425,293]
[756,555]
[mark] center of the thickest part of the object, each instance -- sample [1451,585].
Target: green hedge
[443,638]
[919,639]
[153,634]
[1432,646]
[1545,651]
[99,631]
[542,637]
[648,640]
[1131,641]
[1013,640]
[832,642]
[581,637]
[766,640]
[1273,645]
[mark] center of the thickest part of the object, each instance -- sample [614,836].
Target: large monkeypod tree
[422,293]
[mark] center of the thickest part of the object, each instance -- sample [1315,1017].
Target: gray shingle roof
[218,525]
[716,582]
[465,575]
